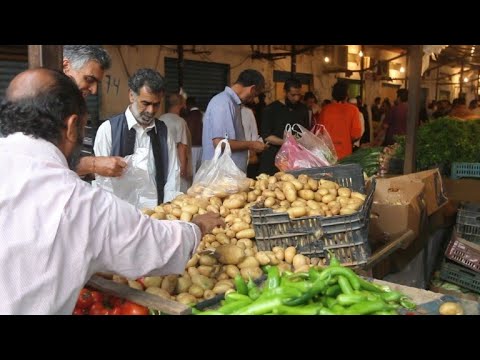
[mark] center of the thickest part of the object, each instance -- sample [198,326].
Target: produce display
[333,290]
[91,302]
[231,251]
[370,159]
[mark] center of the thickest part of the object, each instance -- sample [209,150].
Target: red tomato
[85,299]
[130,308]
[97,296]
[99,309]
[116,301]
[117,310]
[79,311]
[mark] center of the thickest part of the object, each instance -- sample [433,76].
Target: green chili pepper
[388,312]
[333,260]
[344,285]
[254,293]
[240,285]
[334,291]
[407,304]
[314,289]
[338,270]
[367,285]
[234,296]
[313,274]
[234,306]
[210,312]
[325,311]
[260,306]
[367,307]
[337,309]
[350,299]
[273,277]
[391,296]
[330,301]
[312,309]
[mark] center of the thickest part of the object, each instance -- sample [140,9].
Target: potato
[318,197]
[222,238]
[150,281]
[159,209]
[213,208]
[230,254]
[327,184]
[208,294]
[135,285]
[159,216]
[287,177]
[303,268]
[257,192]
[262,258]
[279,194]
[147,211]
[169,283]
[313,184]
[232,271]
[120,279]
[224,211]
[269,193]
[290,254]
[296,212]
[248,243]
[177,212]
[298,261]
[272,180]
[245,234]
[183,284]
[217,230]
[280,210]
[254,273]
[235,203]
[333,192]
[171,217]
[290,194]
[216,244]
[297,184]
[192,209]
[282,267]
[208,238]
[221,288]
[299,203]
[323,191]
[333,204]
[313,204]
[247,219]
[316,212]
[279,253]
[230,233]
[215,201]
[249,252]
[358,195]
[222,276]
[157,291]
[269,202]
[187,299]
[196,290]
[203,281]
[353,206]
[251,197]
[306,194]
[205,270]
[248,262]
[314,261]
[303,178]
[335,210]
[272,257]
[202,211]
[192,271]
[343,201]
[328,198]
[347,211]
[343,191]
[186,216]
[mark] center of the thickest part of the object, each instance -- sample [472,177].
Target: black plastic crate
[460,275]
[468,222]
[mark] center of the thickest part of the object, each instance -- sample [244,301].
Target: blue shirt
[223,118]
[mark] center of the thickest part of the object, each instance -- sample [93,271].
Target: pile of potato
[232,250]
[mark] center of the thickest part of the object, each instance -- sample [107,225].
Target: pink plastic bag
[292,155]
[318,141]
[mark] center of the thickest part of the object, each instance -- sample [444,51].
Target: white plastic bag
[134,186]
[219,176]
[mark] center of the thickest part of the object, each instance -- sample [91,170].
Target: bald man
[56,229]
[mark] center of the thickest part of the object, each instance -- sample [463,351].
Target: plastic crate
[464,254]
[346,235]
[468,222]
[460,275]
[462,170]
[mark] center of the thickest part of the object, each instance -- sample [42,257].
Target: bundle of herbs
[443,141]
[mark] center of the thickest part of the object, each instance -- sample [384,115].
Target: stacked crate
[462,263]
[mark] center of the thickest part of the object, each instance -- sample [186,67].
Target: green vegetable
[344,285]
[240,285]
[367,307]
[273,278]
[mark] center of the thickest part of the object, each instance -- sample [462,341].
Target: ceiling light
[465,79]
[402,69]
[360,53]
[326,59]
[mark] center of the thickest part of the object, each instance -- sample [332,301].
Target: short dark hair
[79,55]
[402,94]
[42,115]
[309,95]
[251,77]
[191,102]
[292,83]
[340,91]
[149,78]
[377,99]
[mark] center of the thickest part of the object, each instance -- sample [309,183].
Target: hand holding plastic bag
[219,176]
[293,155]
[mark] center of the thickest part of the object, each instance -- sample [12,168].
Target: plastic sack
[133,186]
[293,155]
[318,141]
[220,176]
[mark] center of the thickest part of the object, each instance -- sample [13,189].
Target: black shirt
[275,117]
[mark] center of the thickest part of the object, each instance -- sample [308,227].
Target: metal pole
[180,66]
[293,69]
[436,84]
[48,56]
[414,76]
[461,80]
[362,72]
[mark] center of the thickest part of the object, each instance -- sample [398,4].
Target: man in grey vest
[138,131]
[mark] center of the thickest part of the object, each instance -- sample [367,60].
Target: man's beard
[145,120]
[290,104]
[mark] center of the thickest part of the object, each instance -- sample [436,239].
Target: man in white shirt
[137,132]
[177,128]
[251,134]
[56,229]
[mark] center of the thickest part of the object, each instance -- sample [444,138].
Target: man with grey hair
[86,64]
[137,132]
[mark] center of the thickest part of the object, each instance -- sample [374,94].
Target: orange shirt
[342,121]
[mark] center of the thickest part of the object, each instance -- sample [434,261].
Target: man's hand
[257,146]
[208,221]
[109,166]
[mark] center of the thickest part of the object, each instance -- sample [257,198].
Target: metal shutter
[8,70]
[202,80]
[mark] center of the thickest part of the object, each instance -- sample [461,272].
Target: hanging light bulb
[360,53]
[465,79]
[402,69]
[326,59]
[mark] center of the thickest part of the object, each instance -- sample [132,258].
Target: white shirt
[177,127]
[249,124]
[147,191]
[57,231]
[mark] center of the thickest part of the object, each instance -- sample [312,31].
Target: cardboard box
[463,189]
[435,196]
[397,207]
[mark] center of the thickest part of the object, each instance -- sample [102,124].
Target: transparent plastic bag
[320,140]
[220,176]
[293,155]
[133,185]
